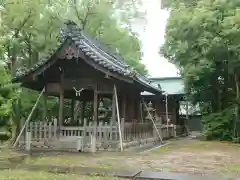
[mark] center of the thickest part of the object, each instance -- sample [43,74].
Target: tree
[29,29]
[202,40]
[7,96]
[101,21]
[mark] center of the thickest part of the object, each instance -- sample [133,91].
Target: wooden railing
[133,131]
[104,132]
[42,130]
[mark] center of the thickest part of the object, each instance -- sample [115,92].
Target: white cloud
[152,37]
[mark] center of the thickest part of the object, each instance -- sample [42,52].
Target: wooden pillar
[113,108]
[95,109]
[141,112]
[138,112]
[83,109]
[95,117]
[61,101]
[44,104]
[123,108]
[177,113]
[133,108]
[72,109]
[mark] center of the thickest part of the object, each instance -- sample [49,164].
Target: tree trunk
[15,104]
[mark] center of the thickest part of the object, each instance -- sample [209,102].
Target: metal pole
[118,118]
[29,117]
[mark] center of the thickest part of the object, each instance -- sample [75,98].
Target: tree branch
[25,20]
[83,20]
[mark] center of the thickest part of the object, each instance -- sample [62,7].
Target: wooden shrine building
[168,104]
[83,70]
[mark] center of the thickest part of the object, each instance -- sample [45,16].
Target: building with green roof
[170,85]
[174,88]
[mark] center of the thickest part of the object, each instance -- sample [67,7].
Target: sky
[152,36]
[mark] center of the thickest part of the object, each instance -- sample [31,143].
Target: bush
[219,125]
[4,136]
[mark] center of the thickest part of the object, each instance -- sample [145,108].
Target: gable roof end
[96,51]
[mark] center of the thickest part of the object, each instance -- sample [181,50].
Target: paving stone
[173,176]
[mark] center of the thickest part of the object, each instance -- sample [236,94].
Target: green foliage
[219,125]
[30,29]
[7,93]
[101,21]
[202,39]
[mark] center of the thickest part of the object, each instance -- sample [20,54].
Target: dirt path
[182,156]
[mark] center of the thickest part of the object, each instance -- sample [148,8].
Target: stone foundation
[104,146]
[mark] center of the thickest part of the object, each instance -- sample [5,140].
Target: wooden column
[123,107]
[113,108]
[95,117]
[138,112]
[83,109]
[61,101]
[44,104]
[72,109]
[95,108]
[141,112]
[177,112]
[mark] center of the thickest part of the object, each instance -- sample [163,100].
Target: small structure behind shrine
[104,95]
[167,105]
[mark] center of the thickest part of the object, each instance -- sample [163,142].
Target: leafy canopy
[202,39]
[30,29]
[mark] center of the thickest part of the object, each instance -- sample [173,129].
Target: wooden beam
[29,118]
[104,92]
[69,83]
[86,83]
[118,118]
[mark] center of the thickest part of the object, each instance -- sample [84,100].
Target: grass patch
[210,145]
[230,169]
[163,149]
[183,156]
[99,160]
[8,155]
[30,175]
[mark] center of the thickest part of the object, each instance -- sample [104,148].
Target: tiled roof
[97,52]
